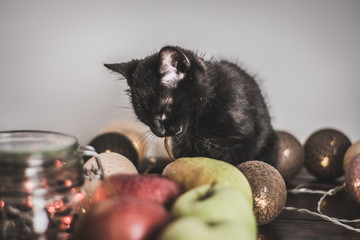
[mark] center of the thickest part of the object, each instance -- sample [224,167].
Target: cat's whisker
[118,107]
[110,108]
[206,142]
[140,138]
[149,136]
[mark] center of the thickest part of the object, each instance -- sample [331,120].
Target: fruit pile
[193,199]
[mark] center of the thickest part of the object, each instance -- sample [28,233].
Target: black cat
[209,108]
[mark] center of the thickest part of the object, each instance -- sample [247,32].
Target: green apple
[191,172]
[215,204]
[194,228]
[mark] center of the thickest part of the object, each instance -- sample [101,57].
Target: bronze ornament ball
[115,142]
[291,155]
[133,132]
[352,151]
[268,189]
[324,153]
[352,178]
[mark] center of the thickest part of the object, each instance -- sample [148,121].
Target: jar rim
[22,144]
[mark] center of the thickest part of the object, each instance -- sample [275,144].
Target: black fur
[209,108]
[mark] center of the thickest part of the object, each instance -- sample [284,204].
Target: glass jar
[41,174]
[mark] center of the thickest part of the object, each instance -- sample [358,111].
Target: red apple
[152,186]
[125,218]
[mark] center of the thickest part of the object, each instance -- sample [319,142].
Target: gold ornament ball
[324,153]
[352,178]
[291,155]
[352,151]
[268,188]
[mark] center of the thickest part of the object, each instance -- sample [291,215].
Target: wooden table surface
[290,225]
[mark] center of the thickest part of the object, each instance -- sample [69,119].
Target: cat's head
[168,89]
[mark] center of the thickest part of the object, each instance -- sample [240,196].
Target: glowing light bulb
[68,183]
[357,183]
[325,162]
[261,202]
[59,163]
[79,197]
[66,223]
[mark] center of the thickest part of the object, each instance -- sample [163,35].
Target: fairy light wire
[331,192]
[89,151]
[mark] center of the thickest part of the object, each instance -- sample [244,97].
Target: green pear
[194,228]
[215,204]
[191,172]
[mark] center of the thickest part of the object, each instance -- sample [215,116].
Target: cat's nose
[158,129]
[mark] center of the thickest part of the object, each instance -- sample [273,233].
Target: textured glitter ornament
[324,153]
[352,151]
[268,188]
[352,178]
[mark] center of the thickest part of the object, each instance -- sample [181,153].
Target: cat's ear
[126,69]
[173,66]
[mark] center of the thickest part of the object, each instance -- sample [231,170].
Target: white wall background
[306,53]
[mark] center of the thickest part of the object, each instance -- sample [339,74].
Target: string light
[331,192]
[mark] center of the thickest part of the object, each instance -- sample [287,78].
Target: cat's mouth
[167,132]
[173,131]
[179,131]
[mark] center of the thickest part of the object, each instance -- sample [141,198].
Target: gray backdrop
[305,54]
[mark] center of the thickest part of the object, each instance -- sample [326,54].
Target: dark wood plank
[296,225]
[293,229]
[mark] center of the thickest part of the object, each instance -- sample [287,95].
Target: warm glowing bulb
[29,186]
[79,197]
[68,183]
[67,220]
[261,201]
[357,183]
[261,236]
[108,150]
[66,223]
[59,163]
[325,162]
[55,207]
[51,209]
